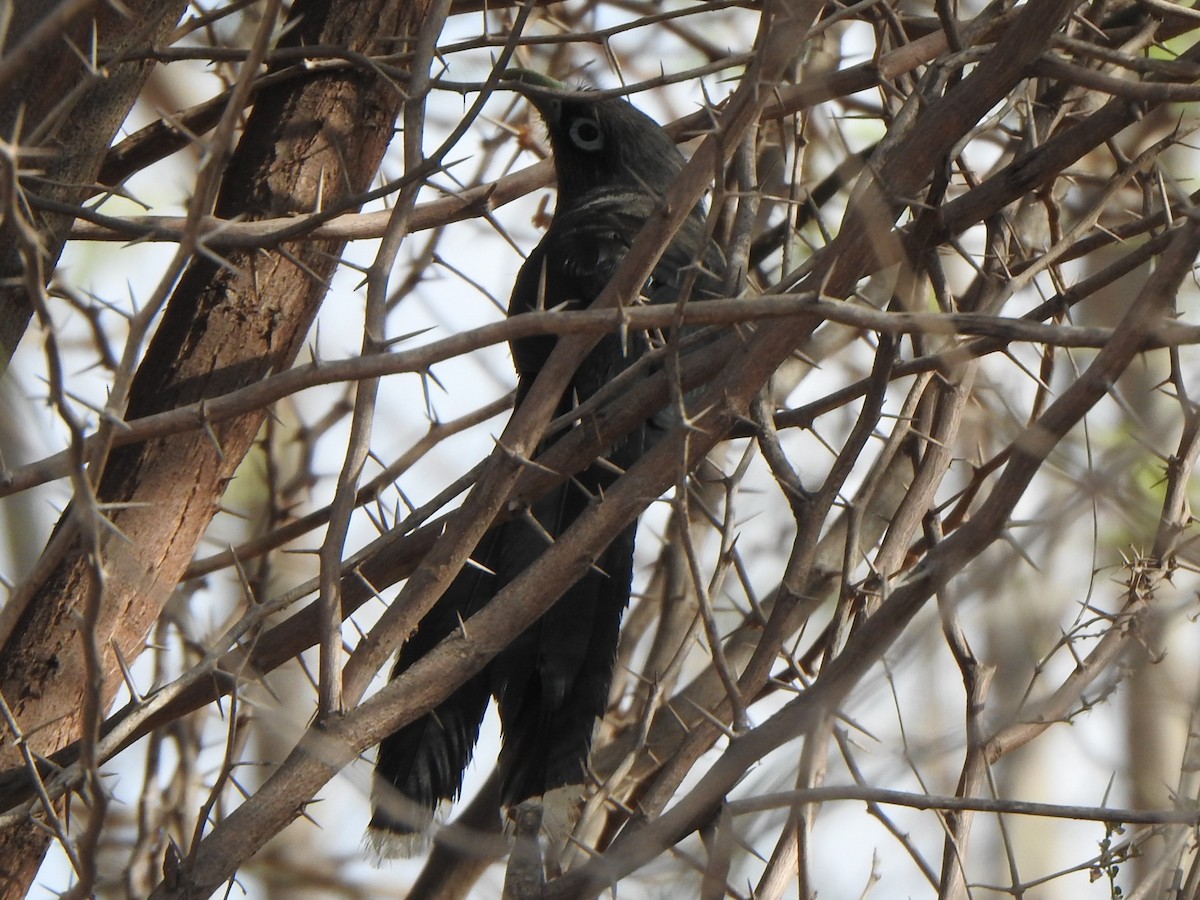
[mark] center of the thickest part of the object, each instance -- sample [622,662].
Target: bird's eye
[586,134]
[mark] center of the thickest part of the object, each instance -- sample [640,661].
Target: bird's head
[599,142]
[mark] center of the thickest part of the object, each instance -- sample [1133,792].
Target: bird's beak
[544,92]
[530,78]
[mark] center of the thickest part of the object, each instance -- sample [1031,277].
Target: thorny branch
[956,365]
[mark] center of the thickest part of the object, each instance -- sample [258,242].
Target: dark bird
[551,684]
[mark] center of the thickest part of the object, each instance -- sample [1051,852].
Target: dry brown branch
[919,493]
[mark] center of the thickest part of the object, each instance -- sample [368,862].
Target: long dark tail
[552,682]
[419,770]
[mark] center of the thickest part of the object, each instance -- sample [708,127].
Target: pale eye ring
[586,134]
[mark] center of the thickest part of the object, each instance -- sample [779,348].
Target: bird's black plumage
[612,164]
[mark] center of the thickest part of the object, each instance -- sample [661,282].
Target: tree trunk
[60,116]
[225,326]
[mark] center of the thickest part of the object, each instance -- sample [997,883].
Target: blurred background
[1076,637]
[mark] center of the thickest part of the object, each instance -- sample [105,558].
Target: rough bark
[59,116]
[225,326]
